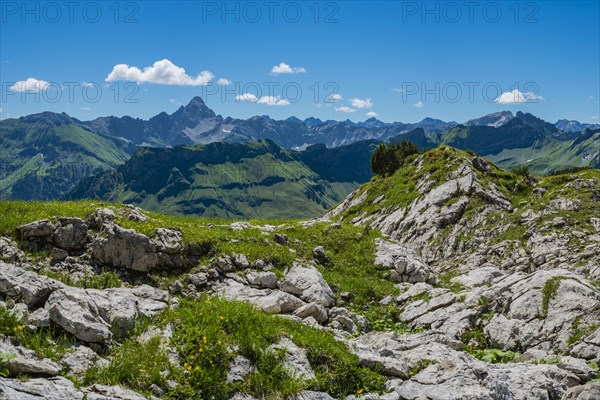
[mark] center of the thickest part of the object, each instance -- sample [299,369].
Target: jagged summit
[191,114]
[495,120]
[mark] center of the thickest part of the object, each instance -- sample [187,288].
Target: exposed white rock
[307,283]
[268,300]
[57,388]
[125,248]
[26,361]
[295,359]
[26,286]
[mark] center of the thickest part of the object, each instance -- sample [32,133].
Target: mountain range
[45,156]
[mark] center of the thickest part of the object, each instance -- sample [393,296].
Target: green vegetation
[4,358]
[233,180]
[135,365]
[209,332]
[549,293]
[48,157]
[420,366]
[386,159]
[387,318]
[495,356]
[446,281]
[104,280]
[523,170]
[579,332]
[47,342]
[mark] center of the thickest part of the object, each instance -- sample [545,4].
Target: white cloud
[398,90]
[284,68]
[247,97]
[419,104]
[335,98]
[517,97]
[360,103]
[162,72]
[224,82]
[591,97]
[87,84]
[1,111]
[592,117]
[273,101]
[268,100]
[372,114]
[86,108]
[347,110]
[30,85]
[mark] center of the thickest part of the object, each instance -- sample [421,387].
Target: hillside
[241,180]
[449,277]
[455,209]
[45,155]
[526,140]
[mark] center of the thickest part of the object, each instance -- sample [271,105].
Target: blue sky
[399,61]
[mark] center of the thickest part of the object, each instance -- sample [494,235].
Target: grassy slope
[250,180]
[215,325]
[44,160]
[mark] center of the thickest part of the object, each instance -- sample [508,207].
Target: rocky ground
[464,307]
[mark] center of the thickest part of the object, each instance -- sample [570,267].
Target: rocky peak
[191,114]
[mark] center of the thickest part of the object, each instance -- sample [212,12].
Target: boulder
[307,283]
[240,261]
[25,286]
[589,391]
[262,279]
[168,240]
[125,248]
[268,300]
[239,368]
[104,392]
[74,311]
[93,315]
[440,369]
[9,251]
[314,310]
[295,359]
[57,388]
[403,262]
[26,361]
[280,238]
[81,359]
[71,233]
[35,230]
[199,279]
[319,255]
[348,320]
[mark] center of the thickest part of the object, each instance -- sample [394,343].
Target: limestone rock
[239,368]
[125,248]
[57,388]
[268,300]
[168,241]
[295,359]
[26,361]
[26,286]
[307,283]
[262,279]
[71,233]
